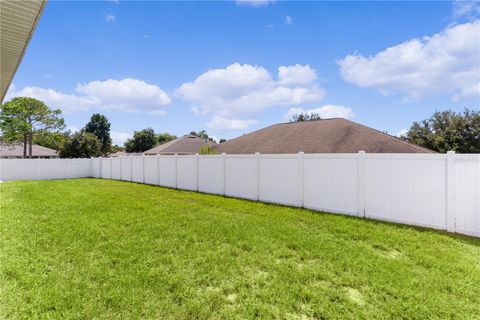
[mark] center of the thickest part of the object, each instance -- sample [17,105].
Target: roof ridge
[389,135]
[305,121]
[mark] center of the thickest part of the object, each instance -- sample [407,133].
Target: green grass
[87,248]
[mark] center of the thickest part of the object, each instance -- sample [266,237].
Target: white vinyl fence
[440,191]
[42,169]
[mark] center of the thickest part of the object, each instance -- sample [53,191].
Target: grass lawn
[89,248]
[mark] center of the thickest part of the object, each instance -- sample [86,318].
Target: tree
[165,137]
[447,130]
[100,127]
[141,141]
[116,148]
[52,140]
[222,140]
[202,134]
[207,149]
[305,116]
[81,144]
[22,118]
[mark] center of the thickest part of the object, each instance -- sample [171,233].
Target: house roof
[335,135]
[18,21]
[187,144]
[16,150]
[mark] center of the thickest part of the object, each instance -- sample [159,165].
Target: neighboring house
[15,151]
[187,144]
[124,154]
[318,136]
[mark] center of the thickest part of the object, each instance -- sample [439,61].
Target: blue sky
[234,67]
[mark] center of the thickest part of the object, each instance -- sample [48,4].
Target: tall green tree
[141,141]
[202,134]
[165,137]
[100,127]
[22,118]
[81,144]
[52,140]
[447,130]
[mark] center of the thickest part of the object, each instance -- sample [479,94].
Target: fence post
[100,167]
[158,168]
[111,168]
[131,168]
[143,168]
[451,214]
[66,169]
[176,171]
[196,164]
[224,172]
[361,184]
[301,177]
[121,172]
[257,154]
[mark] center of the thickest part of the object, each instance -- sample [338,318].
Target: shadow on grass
[456,236]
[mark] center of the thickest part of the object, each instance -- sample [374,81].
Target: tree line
[30,121]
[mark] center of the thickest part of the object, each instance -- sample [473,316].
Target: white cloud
[254,3]
[401,133]
[326,112]
[468,92]
[127,95]
[110,17]
[288,20]
[296,74]
[447,62]
[119,138]
[235,93]
[240,90]
[223,124]
[466,9]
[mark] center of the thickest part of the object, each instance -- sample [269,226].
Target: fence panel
[331,183]
[151,169]
[126,168]
[137,169]
[51,168]
[467,190]
[17,169]
[187,172]
[41,169]
[84,168]
[168,171]
[241,176]
[116,168]
[211,174]
[95,167]
[106,168]
[279,179]
[71,168]
[407,189]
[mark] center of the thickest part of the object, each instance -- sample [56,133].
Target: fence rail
[440,191]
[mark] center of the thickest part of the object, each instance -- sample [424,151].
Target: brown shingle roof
[16,150]
[187,144]
[321,136]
